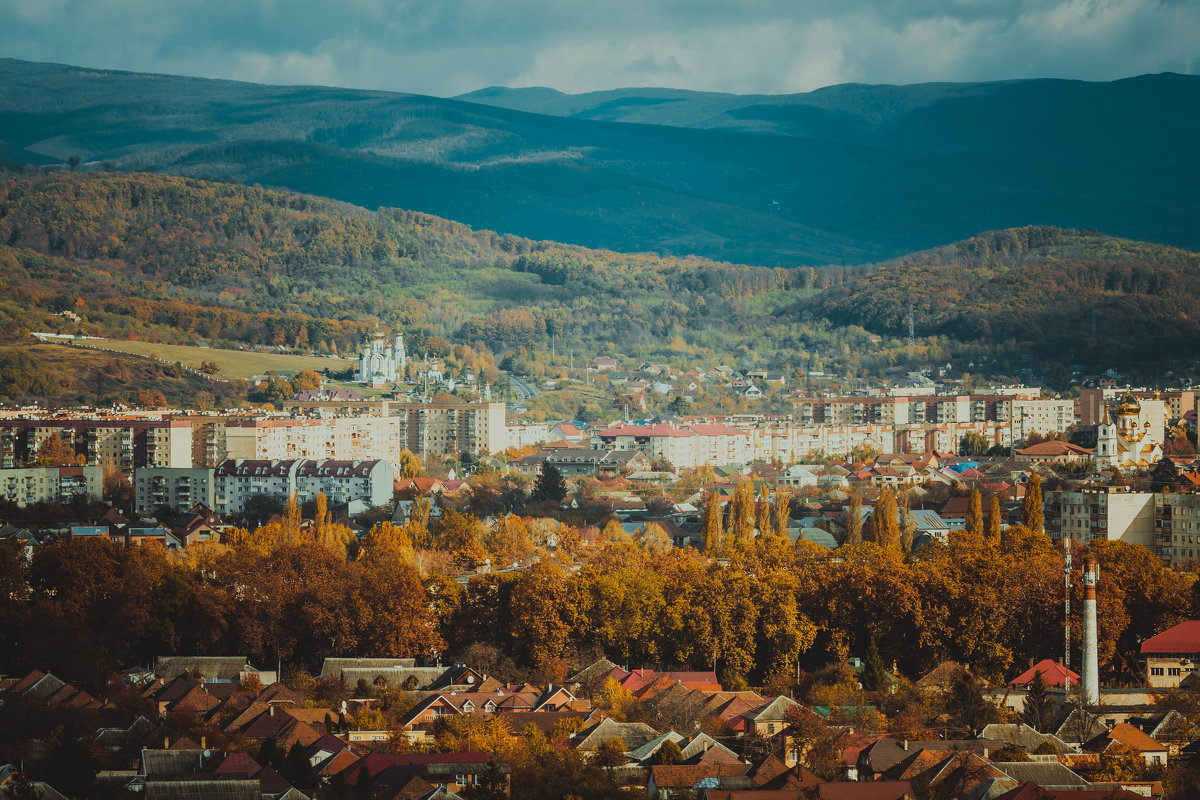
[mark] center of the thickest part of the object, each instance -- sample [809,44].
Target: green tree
[549,485]
[974,443]
[874,672]
[1038,712]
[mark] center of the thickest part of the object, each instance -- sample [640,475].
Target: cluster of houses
[691,737]
[668,381]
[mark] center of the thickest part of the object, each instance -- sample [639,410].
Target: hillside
[181,261]
[840,176]
[1070,297]
[60,375]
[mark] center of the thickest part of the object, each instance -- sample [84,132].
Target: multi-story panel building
[1101,513]
[173,487]
[426,428]
[357,484]
[125,443]
[444,428]
[25,486]
[1177,527]
[1043,416]
[1176,403]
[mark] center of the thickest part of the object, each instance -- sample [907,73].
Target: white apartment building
[357,484]
[1043,416]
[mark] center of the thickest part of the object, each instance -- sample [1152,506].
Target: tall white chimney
[1091,667]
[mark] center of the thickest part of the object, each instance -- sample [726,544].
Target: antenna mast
[1067,614]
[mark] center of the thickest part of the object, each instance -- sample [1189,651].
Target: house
[214,669]
[1052,452]
[798,476]
[605,364]
[674,780]
[770,718]
[1151,751]
[632,735]
[1053,673]
[1172,655]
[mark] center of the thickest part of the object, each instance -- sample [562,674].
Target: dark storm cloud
[450,46]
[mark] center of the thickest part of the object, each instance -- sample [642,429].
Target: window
[1173,671]
[770,727]
[1156,670]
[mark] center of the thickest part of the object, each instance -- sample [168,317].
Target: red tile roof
[1183,638]
[1053,674]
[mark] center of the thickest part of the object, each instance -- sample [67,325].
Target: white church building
[1135,439]
[379,365]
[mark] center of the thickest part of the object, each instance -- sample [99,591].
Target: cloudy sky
[447,47]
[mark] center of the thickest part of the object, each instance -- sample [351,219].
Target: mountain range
[843,175]
[178,260]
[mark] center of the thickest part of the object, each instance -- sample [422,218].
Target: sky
[449,47]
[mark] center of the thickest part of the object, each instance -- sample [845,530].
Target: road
[522,389]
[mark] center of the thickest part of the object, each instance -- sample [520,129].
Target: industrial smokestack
[1091,667]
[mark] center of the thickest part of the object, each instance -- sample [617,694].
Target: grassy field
[234,363]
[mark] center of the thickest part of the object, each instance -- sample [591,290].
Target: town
[901,592]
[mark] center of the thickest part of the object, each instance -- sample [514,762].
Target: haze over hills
[843,175]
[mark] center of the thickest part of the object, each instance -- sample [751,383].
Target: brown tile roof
[685,776]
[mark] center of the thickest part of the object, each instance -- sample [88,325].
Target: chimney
[905,744]
[1091,671]
[166,743]
[203,742]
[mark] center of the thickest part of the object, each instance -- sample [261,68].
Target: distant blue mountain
[845,174]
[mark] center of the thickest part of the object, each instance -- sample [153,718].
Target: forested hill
[1075,297]
[182,260]
[842,175]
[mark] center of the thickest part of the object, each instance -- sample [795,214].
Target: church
[1129,442]
[379,365]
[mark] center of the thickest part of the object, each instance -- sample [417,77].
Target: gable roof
[772,711]
[1053,673]
[1128,735]
[1183,638]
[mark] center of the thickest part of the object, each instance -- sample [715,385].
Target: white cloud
[453,46]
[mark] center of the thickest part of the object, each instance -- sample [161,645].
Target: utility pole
[1067,614]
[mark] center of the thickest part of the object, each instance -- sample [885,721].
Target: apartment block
[357,484]
[1177,527]
[174,487]
[25,486]
[425,428]
[126,443]
[1102,513]
[1176,403]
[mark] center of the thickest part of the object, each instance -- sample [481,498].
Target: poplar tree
[885,528]
[781,513]
[994,522]
[1032,512]
[975,514]
[854,522]
[711,532]
[762,511]
[741,514]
